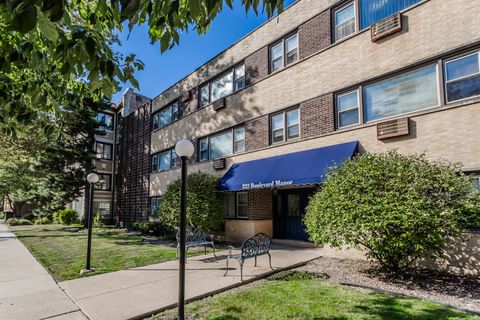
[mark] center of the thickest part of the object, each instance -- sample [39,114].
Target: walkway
[135,293]
[27,291]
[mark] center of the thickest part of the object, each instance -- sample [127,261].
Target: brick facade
[257,133]
[256,66]
[260,204]
[132,181]
[315,34]
[317,116]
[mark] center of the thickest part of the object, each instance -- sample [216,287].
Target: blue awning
[293,169]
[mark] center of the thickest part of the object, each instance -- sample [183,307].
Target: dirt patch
[457,291]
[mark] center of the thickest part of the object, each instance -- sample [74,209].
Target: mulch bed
[457,291]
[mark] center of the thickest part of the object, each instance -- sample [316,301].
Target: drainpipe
[114,166]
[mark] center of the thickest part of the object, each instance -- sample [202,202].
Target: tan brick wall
[457,142]
[260,204]
[342,65]
[275,28]
[237,231]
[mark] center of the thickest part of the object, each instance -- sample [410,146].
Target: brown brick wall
[257,133]
[317,116]
[260,204]
[256,66]
[315,34]
[134,167]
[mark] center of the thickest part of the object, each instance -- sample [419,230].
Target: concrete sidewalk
[135,293]
[27,291]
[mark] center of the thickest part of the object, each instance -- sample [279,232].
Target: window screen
[408,92]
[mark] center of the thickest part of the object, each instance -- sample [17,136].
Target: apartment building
[306,90]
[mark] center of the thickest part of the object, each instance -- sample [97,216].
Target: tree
[204,203]
[45,44]
[50,170]
[396,207]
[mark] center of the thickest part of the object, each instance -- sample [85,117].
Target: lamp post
[183,149]
[92,178]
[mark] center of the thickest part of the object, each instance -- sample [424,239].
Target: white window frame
[106,114]
[357,91]
[100,176]
[209,149]
[235,79]
[102,155]
[237,205]
[288,126]
[156,159]
[439,98]
[285,49]
[285,125]
[446,62]
[283,57]
[355,18]
[235,140]
[207,86]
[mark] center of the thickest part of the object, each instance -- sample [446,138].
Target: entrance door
[289,210]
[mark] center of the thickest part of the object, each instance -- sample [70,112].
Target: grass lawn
[63,252]
[307,299]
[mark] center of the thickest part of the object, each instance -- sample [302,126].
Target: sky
[163,70]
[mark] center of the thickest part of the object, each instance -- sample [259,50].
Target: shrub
[29,216]
[44,220]
[18,222]
[98,220]
[396,207]
[154,228]
[204,204]
[67,216]
[2,215]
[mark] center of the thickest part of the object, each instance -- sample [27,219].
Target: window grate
[386,27]
[393,128]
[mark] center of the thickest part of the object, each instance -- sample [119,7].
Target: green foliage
[396,207]
[67,216]
[18,222]
[44,220]
[2,215]
[98,220]
[30,216]
[48,46]
[204,204]
[154,228]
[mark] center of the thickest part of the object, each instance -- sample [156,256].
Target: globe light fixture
[184,148]
[92,178]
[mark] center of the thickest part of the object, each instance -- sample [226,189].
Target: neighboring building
[108,162]
[320,82]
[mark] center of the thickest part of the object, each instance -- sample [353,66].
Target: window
[372,11]
[476,181]
[285,125]
[242,204]
[412,91]
[164,161]
[462,77]
[204,95]
[347,109]
[102,207]
[103,150]
[166,116]
[104,182]
[239,77]
[239,139]
[344,21]
[222,86]
[235,205]
[203,146]
[105,121]
[154,205]
[222,144]
[284,52]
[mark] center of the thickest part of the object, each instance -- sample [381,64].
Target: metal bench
[253,247]
[196,238]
